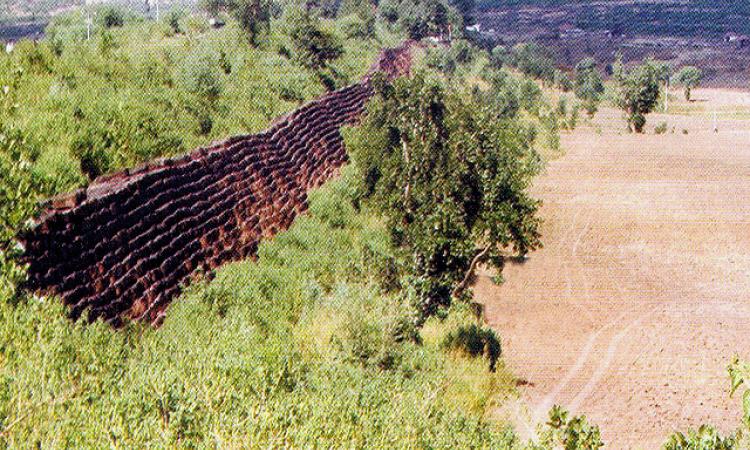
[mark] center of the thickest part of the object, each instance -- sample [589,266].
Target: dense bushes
[533,60]
[142,90]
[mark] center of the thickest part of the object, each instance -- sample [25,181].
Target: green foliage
[420,18]
[570,433]
[533,60]
[19,191]
[360,25]
[639,91]
[450,178]
[174,19]
[562,81]
[499,56]
[588,85]
[475,341]
[704,438]
[254,16]
[689,78]
[314,47]
[111,16]
[466,9]
[442,60]
[200,76]
[661,128]
[448,59]
[739,374]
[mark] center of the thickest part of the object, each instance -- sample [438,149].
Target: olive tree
[451,179]
[689,77]
[588,85]
[639,91]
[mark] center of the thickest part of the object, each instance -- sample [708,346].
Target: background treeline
[698,18]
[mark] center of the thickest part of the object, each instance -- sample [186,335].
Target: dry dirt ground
[632,311]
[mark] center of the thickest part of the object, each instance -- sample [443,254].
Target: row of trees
[638,90]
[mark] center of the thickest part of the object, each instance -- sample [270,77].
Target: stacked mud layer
[122,248]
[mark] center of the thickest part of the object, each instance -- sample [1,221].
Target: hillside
[259,351]
[693,32]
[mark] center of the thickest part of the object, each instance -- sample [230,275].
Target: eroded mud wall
[122,248]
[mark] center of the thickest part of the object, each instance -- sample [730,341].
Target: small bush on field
[573,433]
[174,19]
[475,341]
[661,128]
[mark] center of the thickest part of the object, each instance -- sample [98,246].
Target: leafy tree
[173,19]
[462,51]
[452,182]
[638,93]
[562,81]
[112,17]
[466,9]
[588,85]
[498,56]
[421,18]
[534,60]
[441,59]
[689,77]
[254,16]
[314,48]
[475,341]
[200,76]
[362,20]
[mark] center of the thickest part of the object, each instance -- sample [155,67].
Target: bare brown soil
[640,298]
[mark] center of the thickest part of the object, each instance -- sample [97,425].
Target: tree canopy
[639,91]
[689,77]
[588,85]
[451,178]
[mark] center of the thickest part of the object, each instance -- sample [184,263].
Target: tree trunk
[469,273]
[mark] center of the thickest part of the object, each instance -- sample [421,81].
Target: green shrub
[111,16]
[661,128]
[314,47]
[570,433]
[704,438]
[474,340]
[174,18]
[200,76]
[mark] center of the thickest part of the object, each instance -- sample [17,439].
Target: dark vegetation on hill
[669,18]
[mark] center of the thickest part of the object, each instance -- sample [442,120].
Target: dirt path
[641,297]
